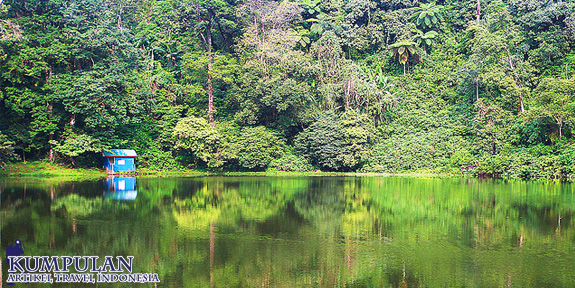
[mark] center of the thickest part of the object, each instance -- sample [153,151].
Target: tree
[224,70]
[105,97]
[425,39]
[276,101]
[402,50]
[257,147]
[555,98]
[267,36]
[205,15]
[197,137]
[469,77]
[427,15]
[491,128]
[6,151]
[74,145]
[498,61]
[334,142]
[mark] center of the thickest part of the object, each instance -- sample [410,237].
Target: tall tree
[555,98]
[206,14]
[205,19]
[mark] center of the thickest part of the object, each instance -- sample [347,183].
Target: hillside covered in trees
[337,85]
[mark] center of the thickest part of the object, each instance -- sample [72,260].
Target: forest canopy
[486,87]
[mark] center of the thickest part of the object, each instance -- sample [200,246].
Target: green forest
[482,87]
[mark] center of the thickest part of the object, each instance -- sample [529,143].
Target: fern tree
[402,50]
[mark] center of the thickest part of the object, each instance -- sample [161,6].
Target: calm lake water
[304,231]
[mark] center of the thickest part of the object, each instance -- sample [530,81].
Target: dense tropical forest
[485,87]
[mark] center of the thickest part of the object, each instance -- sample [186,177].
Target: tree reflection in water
[314,231]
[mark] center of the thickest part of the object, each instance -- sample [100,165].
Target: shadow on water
[305,231]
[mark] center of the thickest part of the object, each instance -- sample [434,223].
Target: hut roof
[120,153]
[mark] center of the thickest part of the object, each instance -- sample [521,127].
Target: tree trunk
[560,130]
[51,135]
[522,107]
[210,92]
[477,89]
[50,108]
[51,155]
[478,11]
[403,68]
[210,86]
[348,92]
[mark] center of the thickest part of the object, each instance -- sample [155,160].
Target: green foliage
[289,163]
[73,145]
[336,142]
[533,163]
[197,137]
[493,166]
[257,147]
[76,144]
[158,159]
[461,159]
[277,100]
[425,39]
[567,162]
[6,151]
[418,151]
[402,50]
[427,15]
[125,73]
[492,129]
[555,98]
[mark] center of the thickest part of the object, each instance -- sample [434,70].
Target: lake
[320,231]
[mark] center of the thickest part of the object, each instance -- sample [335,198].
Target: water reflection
[306,231]
[120,188]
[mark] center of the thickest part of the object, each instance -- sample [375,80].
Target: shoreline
[40,169]
[46,170]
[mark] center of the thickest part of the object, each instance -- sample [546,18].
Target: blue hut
[120,188]
[119,160]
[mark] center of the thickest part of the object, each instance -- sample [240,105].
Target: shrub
[522,165]
[535,162]
[257,147]
[74,145]
[290,162]
[335,142]
[196,137]
[567,161]
[158,159]
[423,150]
[493,165]
[6,151]
[461,158]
